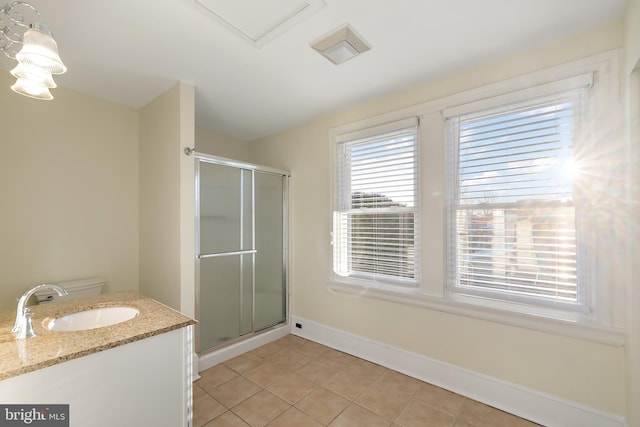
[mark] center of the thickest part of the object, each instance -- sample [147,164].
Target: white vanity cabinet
[139,384]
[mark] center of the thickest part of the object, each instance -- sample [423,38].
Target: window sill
[576,326]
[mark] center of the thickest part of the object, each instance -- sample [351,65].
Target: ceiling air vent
[341,45]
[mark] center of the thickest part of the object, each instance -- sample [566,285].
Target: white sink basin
[92,319]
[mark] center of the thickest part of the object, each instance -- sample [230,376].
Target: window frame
[605,321]
[578,87]
[365,131]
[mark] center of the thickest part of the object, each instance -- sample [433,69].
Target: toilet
[77,289]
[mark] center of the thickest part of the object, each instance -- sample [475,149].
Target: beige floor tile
[290,359]
[337,358]
[292,417]
[228,419]
[317,371]
[417,414]
[366,369]
[260,409]
[313,350]
[480,415]
[198,391]
[213,377]
[397,381]
[328,387]
[440,399]
[235,391]
[385,399]
[266,350]
[357,416]
[244,363]
[205,409]
[347,384]
[266,374]
[323,405]
[390,393]
[291,387]
[292,342]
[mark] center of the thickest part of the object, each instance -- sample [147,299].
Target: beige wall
[632,61]
[162,125]
[210,142]
[187,196]
[70,175]
[69,186]
[79,175]
[582,371]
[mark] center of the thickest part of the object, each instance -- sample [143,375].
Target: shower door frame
[253,168]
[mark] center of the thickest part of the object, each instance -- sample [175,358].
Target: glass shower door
[226,253]
[270,280]
[241,271]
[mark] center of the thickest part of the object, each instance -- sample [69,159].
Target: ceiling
[250,85]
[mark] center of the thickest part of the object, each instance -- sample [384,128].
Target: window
[375,205]
[505,208]
[512,223]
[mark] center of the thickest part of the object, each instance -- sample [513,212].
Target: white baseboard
[533,405]
[209,360]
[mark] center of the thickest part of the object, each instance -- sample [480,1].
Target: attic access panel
[261,21]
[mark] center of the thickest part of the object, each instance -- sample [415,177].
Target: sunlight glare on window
[515,220]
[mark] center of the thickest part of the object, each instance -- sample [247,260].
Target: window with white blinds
[375,205]
[513,220]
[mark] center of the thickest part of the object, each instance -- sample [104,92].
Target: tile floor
[296,382]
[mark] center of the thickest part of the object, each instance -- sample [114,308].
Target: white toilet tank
[77,289]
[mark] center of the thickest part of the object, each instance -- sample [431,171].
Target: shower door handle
[247,252]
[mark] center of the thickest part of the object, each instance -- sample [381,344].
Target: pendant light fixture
[38,57]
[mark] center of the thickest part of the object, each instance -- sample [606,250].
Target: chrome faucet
[23,328]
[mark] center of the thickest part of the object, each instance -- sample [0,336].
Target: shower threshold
[236,347]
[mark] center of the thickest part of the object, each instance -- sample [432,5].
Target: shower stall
[241,250]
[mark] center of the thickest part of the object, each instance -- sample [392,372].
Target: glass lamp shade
[31,89]
[40,50]
[33,75]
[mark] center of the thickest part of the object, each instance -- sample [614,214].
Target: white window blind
[374,232]
[513,217]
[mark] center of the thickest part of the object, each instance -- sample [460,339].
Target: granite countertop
[49,348]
